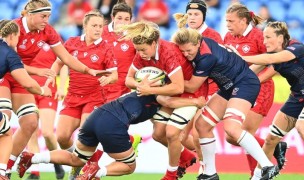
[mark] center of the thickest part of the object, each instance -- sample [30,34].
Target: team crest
[40,44]
[23,46]
[246,48]
[124,47]
[94,58]
[46,47]
[75,53]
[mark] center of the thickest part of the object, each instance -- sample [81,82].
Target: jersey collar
[157,53]
[110,27]
[96,42]
[248,29]
[203,28]
[25,26]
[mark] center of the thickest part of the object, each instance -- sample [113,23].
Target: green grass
[139,176]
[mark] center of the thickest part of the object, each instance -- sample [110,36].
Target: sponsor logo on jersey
[237,46]
[94,58]
[50,104]
[40,43]
[124,47]
[75,53]
[291,48]
[114,43]
[234,91]
[46,47]
[246,48]
[32,40]
[23,46]
[85,54]
[199,72]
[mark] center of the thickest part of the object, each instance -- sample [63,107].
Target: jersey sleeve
[204,65]
[14,61]
[53,37]
[137,62]
[297,49]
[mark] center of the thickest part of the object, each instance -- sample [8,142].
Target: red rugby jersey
[250,43]
[210,33]
[44,59]
[30,43]
[124,52]
[98,55]
[167,58]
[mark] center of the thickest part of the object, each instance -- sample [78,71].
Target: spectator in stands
[76,11]
[156,11]
[106,7]
[265,14]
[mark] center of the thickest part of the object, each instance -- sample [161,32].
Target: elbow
[179,90]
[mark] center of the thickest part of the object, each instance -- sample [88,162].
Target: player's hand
[200,101]
[47,91]
[50,81]
[143,88]
[104,80]
[59,94]
[233,49]
[44,72]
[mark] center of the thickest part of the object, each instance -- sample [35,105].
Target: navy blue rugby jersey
[9,59]
[293,70]
[133,109]
[223,66]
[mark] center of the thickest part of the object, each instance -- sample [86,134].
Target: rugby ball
[153,72]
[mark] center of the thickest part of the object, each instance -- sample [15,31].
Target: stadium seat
[295,9]
[277,10]
[253,6]
[8,11]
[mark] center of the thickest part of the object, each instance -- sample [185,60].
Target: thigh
[47,119]
[218,105]
[67,125]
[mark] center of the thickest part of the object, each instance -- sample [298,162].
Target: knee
[28,124]
[47,134]
[63,138]
[172,136]
[300,129]
[158,135]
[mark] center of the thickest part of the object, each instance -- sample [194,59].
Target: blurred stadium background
[152,156]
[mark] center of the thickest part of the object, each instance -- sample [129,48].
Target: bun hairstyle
[8,27]
[143,32]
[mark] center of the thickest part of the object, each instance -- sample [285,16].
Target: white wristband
[42,91]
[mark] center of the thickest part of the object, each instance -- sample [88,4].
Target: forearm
[262,59]
[131,83]
[177,102]
[113,77]
[31,70]
[64,73]
[168,90]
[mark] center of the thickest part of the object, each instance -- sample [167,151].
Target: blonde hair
[34,4]
[243,12]
[8,27]
[181,19]
[92,13]
[280,28]
[185,36]
[142,32]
